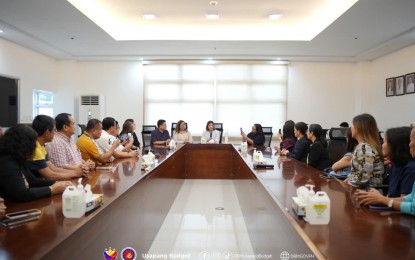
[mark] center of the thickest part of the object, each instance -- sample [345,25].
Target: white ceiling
[368,30]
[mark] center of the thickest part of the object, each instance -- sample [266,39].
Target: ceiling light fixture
[213,3]
[1,31]
[149,16]
[274,16]
[212,16]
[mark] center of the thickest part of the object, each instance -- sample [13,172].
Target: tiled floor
[195,229]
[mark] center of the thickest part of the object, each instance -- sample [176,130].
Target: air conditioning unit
[92,106]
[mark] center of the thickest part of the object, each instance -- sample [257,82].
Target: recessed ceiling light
[149,16]
[212,16]
[274,16]
[1,31]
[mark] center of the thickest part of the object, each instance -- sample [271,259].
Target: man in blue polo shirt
[161,135]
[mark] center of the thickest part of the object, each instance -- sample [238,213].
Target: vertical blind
[237,95]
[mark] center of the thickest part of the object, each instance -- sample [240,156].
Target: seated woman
[211,135]
[136,143]
[318,156]
[255,137]
[367,161]
[127,134]
[288,138]
[181,135]
[302,146]
[402,171]
[342,167]
[17,182]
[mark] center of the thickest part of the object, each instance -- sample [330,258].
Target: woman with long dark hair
[402,166]
[302,146]
[367,161]
[288,138]
[318,156]
[405,204]
[255,137]
[17,182]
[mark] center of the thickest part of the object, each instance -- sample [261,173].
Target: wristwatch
[390,203]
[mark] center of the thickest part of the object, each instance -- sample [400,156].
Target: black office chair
[267,130]
[83,128]
[337,143]
[173,127]
[146,134]
[219,127]
[381,137]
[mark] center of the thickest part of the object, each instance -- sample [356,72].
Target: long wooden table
[136,203]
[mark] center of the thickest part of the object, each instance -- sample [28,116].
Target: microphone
[210,134]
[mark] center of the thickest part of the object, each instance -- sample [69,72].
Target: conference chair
[146,134]
[337,143]
[82,128]
[219,127]
[173,127]
[267,130]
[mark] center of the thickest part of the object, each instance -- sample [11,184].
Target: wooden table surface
[353,232]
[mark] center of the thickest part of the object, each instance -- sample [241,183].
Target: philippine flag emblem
[110,254]
[128,253]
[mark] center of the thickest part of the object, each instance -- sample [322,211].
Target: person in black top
[17,182]
[255,137]
[302,146]
[136,143]
[161,135]
[318,156]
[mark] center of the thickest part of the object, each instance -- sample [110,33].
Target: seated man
[62,150]
[89,148]
[161,135]
[109,134]
[40,164]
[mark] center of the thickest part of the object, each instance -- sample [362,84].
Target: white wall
[35,71]
[325,93]
[322,93]
[121,82]
[390,111]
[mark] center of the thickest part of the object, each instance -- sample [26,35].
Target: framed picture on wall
[409,83]
[399,85]
[390,87]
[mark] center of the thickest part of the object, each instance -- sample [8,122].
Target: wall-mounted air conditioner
[91,106]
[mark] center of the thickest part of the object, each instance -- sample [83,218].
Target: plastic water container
[318,209]
[244,146]
[258,157]
[73,201]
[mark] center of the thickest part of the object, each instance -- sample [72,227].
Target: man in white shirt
[109,133]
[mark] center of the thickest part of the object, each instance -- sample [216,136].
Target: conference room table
[136,202]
